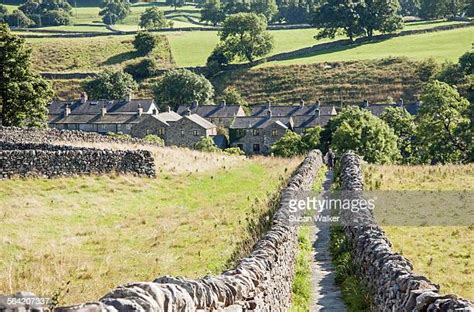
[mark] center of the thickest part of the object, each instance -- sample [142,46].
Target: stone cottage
[156,124]
[101,116]
[256,135]
[221,115]
[294,110]
[189,130]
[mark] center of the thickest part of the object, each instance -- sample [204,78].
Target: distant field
[89,54]
[442,253]
[99,232]
[442,45]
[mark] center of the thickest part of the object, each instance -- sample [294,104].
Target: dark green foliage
[182,87]
[110,85]
[232,96]
[48,12]
[213,12]
[267,8]
[357,18]
[360,131]
[144,42]
[24,95]
[244,36]
[153,18]
[154,139]
[443,125]
[18,19]
[218,60]
[466,62]
[428,69]
[403,124]
[311,138]
[113,11]
[144,69]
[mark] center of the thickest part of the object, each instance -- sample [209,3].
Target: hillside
[353,80]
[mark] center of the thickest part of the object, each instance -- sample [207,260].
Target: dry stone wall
[388,276]
[260,282]
[51,135]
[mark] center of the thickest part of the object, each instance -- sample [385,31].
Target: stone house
[256,135]
[221,115]
[156,124]
[189,130]
[101,116]
[378,109]
[294,110]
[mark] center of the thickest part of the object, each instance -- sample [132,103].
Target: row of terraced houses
[228,125]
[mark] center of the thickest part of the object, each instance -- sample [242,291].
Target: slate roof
[210,111]
[96,119]
[378,109]
[310,121]
[292,110]
[200,121]
[249,122]
[94,107]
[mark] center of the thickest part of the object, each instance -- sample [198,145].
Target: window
[182,133]
[195,133]
[256,148]
[161,131]
[255,132]
[274,132]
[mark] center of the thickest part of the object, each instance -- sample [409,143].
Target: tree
[334,15]
[360,131]
[56,18]
[403,124]
[145,68]
[19,19]
[144,42]
[443,124]
[212,12]
[288,145]
[410,7]
[431,9]
[48,12]
[244,36]
[218,59]
[24,95]
[232,96]
[182,87]
[3,13]
[206,144]
[311,138]
[428,69]
[113,11]
[110,85]
[267,8]
[466,62]
[381,15]
[153,18]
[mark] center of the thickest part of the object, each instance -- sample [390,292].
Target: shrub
[56,18]
[154,18]
[144,69]
[234,151]
[288,145]
[206,144]
[110,85]
[144,42]
[154,139]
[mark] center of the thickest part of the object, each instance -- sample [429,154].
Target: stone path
[326,294]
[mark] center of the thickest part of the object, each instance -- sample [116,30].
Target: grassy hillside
[80,237]
[357,80]
[90,54]
[443,45]
[442,253]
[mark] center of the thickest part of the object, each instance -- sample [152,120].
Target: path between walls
[326,295]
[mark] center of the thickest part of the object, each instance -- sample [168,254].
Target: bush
[18,19]
[110,85]
[218,60]
[142,70]
[466,61]
[56,18]
[234,151]
[153,19]
[144,42]
[154,139]
[428,69]
[206,144]
[288,145]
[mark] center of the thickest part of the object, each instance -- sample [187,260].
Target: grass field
[442,253]
[80,237]
[89,54]
[444,45]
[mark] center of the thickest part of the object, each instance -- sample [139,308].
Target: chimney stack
[129,97]
[67,110]
[302,103]
[401,102]
[83,97]
[168,108]
[103,110]
[154,112]
[140,110]
[269,104]
[318,104]
[195,104]
[269,113]
[366,103]
[223,103]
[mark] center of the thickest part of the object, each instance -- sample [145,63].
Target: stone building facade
[189,130]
